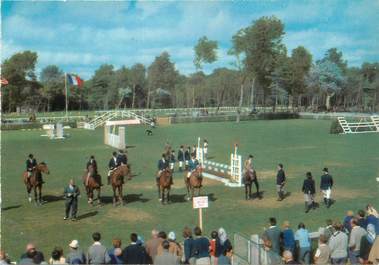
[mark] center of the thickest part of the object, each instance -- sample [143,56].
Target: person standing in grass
[280,182]
[326,185]
[71,194]
[309,190]
[181,158]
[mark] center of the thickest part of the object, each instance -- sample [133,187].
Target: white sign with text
[200,202]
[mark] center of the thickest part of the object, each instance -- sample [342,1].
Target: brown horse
[35,182]
[92,185]
[250,176]
[194,182]
[164,185]
[117,176]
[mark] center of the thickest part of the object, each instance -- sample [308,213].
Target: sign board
[200,202]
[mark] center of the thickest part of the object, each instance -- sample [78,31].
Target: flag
[74,80]
[4,81]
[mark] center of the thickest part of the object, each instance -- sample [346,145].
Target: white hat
[74,244]
[172,236]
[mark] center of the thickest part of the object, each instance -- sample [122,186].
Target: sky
[79,36]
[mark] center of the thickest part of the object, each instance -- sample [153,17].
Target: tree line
[263,74]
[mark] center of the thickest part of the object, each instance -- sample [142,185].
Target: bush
[277,115]
[30,125]
[335,127]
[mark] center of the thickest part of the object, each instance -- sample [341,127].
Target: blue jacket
[193,164]
[121,158]
[187,155]
[288,239]
[30,164]
[326,182]
[201,247]
[189,250]
[374,221]
[181,155]
[162,165]
[112,164]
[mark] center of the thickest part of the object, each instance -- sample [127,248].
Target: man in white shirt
[356,235]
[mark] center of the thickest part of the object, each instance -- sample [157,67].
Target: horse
[250,176]
[164,185]
[116,178]
[93,184]
[35,182]
[194,182]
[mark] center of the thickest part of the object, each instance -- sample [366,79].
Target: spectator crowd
[355,240]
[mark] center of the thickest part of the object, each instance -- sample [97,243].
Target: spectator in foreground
[366,244]
[224,242]
[115,252]
[347,221]
[32,255]
[166,258]
[76,255]
[214,243]
[175,247]
[201,248]
[338,245]
[302,236]
[57,256]
[288,238]
[225,258]
[273,234]
[356,235]
[152,246]
[134,253]
[372,217]
[97,253]
[361,219]
[322,255]
[189,253]
[374,252]
[3,258]
[288,257]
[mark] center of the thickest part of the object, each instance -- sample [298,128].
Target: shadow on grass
[87,215]
[178,198]
[130,146]
[52,198]
[10,207]
[129,198]
[257,195]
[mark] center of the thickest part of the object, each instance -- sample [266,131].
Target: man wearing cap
[280,182]
[112,165]
[76,255]
[122,159]
[71,194]
[31,163]
[309,191]
[192,165]
[181,158]
[162,165]
[92,162]
[326,185]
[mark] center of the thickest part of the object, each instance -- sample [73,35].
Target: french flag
[74,80]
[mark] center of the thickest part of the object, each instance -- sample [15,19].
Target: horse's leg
[99,196]
[122,195]
[250,185]
[246,191]
[114,195]
[40,194]
[29,190]
[162,195]
[159,192]
[168,195]
[35,195]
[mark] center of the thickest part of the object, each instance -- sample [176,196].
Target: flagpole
[65,86]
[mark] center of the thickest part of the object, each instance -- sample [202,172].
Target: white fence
[115,140]
[364,125]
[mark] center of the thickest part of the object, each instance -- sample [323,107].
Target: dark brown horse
[92,184]
[164,185]
[117,176]
[250,176]
[35,182]
[194,182]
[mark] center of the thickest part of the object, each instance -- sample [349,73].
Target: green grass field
[301,145]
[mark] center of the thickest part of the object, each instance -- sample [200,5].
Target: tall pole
[65,86]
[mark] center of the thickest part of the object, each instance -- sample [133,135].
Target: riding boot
[325,201]
[123,180]
[329,203]
[109,180]
[171,181]
[307,207]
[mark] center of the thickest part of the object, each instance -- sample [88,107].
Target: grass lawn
[301,145]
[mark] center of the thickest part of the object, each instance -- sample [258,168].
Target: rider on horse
[92,162]
[122,159]
[162,166]
[31,164]
[112,165]
[187,156]
[193,164]
[248,165]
